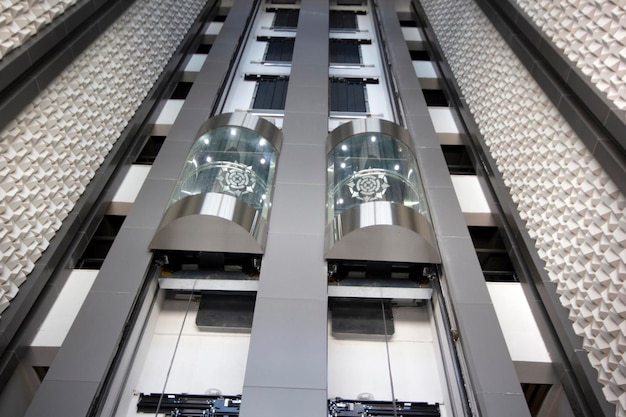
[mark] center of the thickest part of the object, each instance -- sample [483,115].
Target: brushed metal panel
[211,223]
[381,231]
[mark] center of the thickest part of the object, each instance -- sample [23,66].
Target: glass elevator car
[377,216]
[218,214]
[382,257]
[377,323]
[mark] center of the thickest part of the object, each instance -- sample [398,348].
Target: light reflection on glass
[373,168]
[233,161]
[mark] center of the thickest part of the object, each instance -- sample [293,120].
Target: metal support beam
[490,373]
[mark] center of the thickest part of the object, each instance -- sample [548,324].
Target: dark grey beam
[574,371]
[496,388]
[576,374]
[27,311]
[286,367]
[96,336]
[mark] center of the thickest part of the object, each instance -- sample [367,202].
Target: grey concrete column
[495,385]
[286,370]
[83,361]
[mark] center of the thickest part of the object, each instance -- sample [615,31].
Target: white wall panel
[360,366]
[65,309]
[241,97]
[129,188]
[427,75]
[517,322]
[193,67]
[472,200]
[444,124]
[199,360]
[412,34]
[166,118]
[214,28]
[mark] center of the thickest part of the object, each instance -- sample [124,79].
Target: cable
[393,393]
[180,332]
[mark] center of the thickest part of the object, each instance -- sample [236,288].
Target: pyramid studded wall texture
[573,211]
[21,19]
[50,152]
[592,34]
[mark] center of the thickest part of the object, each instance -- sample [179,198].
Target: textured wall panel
[50,152]
[21,19]
[572,209]
[592,34]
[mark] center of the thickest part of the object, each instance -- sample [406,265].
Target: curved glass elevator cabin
[222,200]
[376,208]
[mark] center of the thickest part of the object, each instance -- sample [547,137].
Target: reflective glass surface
[373,167]
[230,160]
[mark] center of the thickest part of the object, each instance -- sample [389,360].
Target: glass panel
[186,360]
[342,20]
[280,50]
[344,51]
[230,160]
[271,93]
[373,167]
[347,95]
[286,19]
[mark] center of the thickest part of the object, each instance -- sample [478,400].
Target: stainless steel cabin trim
[211,222]
[381,231]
